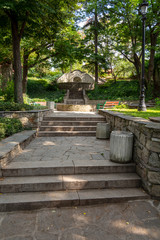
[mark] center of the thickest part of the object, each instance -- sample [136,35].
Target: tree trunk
[6,71]
[153,38]
[96,47]
[137,65]
[156,79]
[18,95]
[25,72]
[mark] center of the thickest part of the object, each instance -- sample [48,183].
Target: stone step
[66,133]
[99,119]
[38,200]
[69,123]
[69,182]
[67,128]
[45,168]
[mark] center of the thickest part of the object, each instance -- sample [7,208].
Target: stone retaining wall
[146,152]
[29,119]
[76,108]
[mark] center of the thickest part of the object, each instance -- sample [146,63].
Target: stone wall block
[147,131]
[154,177]
[153,146]
[154,160]
[139,153]
[156,134]
[145,155]
[155,190]
[137,133]
[142,172]
[143,139]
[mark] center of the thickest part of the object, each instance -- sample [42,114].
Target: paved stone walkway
[136,220]
[64,149]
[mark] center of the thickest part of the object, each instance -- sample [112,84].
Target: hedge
[9,126]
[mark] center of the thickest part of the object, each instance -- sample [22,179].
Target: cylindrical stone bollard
[103,130]
[50,105]
[121,146]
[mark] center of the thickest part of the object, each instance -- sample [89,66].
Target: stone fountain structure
[76,83]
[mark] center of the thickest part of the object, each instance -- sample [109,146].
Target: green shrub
[8,93]
[11,106]
[9,126]
[2,130]
[157,101]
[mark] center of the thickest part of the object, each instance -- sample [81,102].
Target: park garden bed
[146,151]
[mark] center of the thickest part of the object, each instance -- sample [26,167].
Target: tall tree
[124,29]
[94,10]
[31,13]
[153,23]
[5,53]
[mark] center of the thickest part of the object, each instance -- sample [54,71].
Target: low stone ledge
[13,145]
[29,119]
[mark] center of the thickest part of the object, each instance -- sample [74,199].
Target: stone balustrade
[146,153]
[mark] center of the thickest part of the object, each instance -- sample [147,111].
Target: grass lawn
[151,112]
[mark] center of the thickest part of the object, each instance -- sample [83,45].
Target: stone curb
[12,145]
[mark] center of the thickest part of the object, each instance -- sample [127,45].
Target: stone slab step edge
[43,168]
[36,200]
[74,118]
[12,146]
[67,128]
[69,123]
[69,182]
[66,133]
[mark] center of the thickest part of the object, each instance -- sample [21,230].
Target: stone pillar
[103,130]
[50,105]
[121,146]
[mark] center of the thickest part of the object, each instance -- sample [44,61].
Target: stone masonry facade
[146,151]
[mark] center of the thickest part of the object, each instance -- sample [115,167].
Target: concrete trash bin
[103,130]
[121,146]
[51,105]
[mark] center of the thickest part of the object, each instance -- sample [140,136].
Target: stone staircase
[35,185]
[30,183]
[69,126]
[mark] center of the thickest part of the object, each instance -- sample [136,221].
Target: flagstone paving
[63,149]
[134,220]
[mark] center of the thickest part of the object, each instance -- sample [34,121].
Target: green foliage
[157,101]
[44,90]
[9,126]
[11,106]
[2,130]
[121,90]
[8,94]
